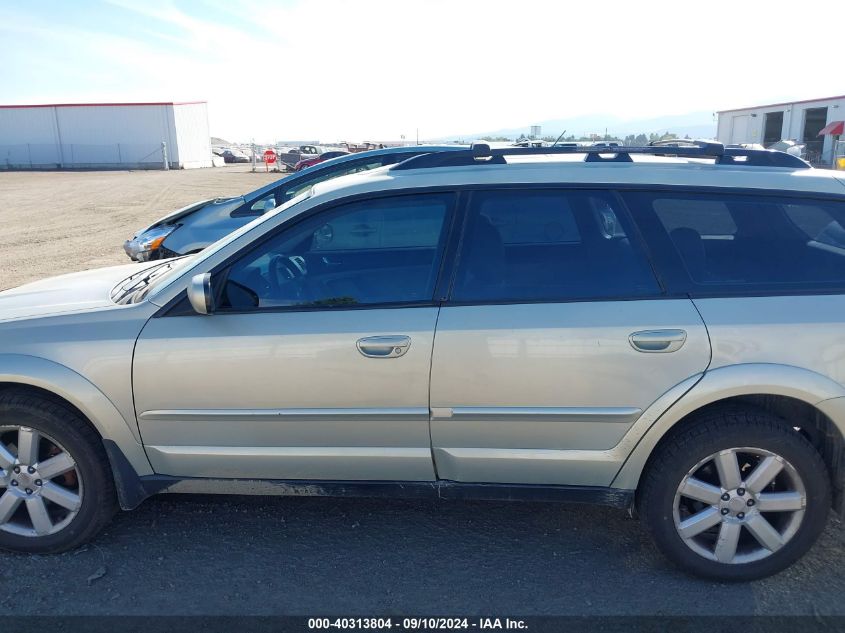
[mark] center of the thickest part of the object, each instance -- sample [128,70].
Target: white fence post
[165,162]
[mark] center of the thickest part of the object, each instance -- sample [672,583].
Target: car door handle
[384,346]
[655,341]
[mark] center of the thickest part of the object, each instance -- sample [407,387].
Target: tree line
[630,139]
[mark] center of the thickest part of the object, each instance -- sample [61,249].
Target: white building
[799,121]
[105,135]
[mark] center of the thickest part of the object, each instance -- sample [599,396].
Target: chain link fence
[83,156]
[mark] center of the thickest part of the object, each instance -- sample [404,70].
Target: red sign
[269,156]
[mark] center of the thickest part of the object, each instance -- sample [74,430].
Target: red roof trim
[785,103]
[834,128]
[83,105]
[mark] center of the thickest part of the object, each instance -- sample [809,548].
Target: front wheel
[56,490]
[737,495]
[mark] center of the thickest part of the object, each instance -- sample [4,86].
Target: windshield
[161,277]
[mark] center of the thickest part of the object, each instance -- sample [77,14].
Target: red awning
[834,129]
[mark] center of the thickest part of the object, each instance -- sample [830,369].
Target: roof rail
[482,154]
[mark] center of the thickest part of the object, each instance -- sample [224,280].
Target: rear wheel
[56,490]
[737,495]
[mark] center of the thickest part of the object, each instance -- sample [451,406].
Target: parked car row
[310,162]
[289,158]
[232,155]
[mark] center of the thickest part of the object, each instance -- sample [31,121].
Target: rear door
[555,339]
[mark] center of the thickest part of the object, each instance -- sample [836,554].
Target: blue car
[194,227]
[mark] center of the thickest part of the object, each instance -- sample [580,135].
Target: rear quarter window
[745,243]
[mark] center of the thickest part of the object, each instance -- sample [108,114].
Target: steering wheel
[281,271]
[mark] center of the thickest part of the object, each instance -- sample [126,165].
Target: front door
[316,363]
[555,339]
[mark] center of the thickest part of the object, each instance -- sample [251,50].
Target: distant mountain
[694,124]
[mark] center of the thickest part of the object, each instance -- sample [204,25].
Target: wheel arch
[801,398]
[62,384]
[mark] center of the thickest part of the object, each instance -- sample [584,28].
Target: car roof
[655,171]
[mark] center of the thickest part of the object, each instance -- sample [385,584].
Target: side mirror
[200,294]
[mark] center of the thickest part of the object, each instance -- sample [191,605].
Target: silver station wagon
[657,329]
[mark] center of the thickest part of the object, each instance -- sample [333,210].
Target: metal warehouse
[800,121]
[168,135]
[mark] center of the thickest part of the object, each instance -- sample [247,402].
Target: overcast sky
[378,69]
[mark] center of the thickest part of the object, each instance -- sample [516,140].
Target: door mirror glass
[200,294]
[268,203]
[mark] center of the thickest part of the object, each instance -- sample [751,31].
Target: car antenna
[558,138]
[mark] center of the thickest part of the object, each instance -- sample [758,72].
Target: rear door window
[549,245]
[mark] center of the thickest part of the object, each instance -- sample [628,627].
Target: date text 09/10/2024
[412,624]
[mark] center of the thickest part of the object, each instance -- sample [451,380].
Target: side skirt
[441,489]
[132,490]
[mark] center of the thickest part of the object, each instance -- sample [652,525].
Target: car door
[555,339]
[315,363]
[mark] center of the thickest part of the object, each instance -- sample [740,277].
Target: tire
[690,456]
[57,429]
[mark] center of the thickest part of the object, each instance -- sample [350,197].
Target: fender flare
[82,394]
[719,384]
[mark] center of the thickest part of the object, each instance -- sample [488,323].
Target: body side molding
[615,415]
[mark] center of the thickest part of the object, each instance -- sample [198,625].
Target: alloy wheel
[40,483]
[739,505]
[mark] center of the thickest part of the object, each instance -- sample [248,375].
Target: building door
[814,120]
[772,128]
[739,129]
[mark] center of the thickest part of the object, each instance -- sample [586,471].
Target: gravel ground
[59,222]
[181,554]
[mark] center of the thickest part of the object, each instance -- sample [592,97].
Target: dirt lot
[236,555]
[58,222]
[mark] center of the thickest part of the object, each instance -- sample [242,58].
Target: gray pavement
[180,554]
